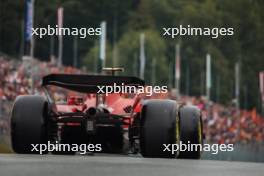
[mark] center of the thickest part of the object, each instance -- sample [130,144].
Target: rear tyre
[29,123]
[190,131]
[158,127]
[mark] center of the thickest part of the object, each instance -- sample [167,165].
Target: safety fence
[251,152]
[5,107]
[242,152]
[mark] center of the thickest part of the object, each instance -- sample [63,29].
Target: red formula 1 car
[120,123]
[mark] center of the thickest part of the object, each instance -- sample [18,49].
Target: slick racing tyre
[158,127]
[190,131]
[28,123]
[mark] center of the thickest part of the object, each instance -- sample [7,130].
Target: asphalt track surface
[115,165]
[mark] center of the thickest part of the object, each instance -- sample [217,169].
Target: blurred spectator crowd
[227,124]
[22,77]
[222,124]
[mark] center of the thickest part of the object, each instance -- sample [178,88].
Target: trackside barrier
[242,152]
[5,107]
[252,152]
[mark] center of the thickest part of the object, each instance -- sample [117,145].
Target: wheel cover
[177,131]
[199,132]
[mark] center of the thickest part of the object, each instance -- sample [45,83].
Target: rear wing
[88,83]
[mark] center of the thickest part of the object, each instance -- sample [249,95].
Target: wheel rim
[177,131]
[200,136]
[199,132]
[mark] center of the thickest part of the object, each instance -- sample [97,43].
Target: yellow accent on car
[177,130]
[200,132]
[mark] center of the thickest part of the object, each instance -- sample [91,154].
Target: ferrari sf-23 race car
[121,123]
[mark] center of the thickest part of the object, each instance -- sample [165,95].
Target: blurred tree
[155,47]
[11,26]
[127,19]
